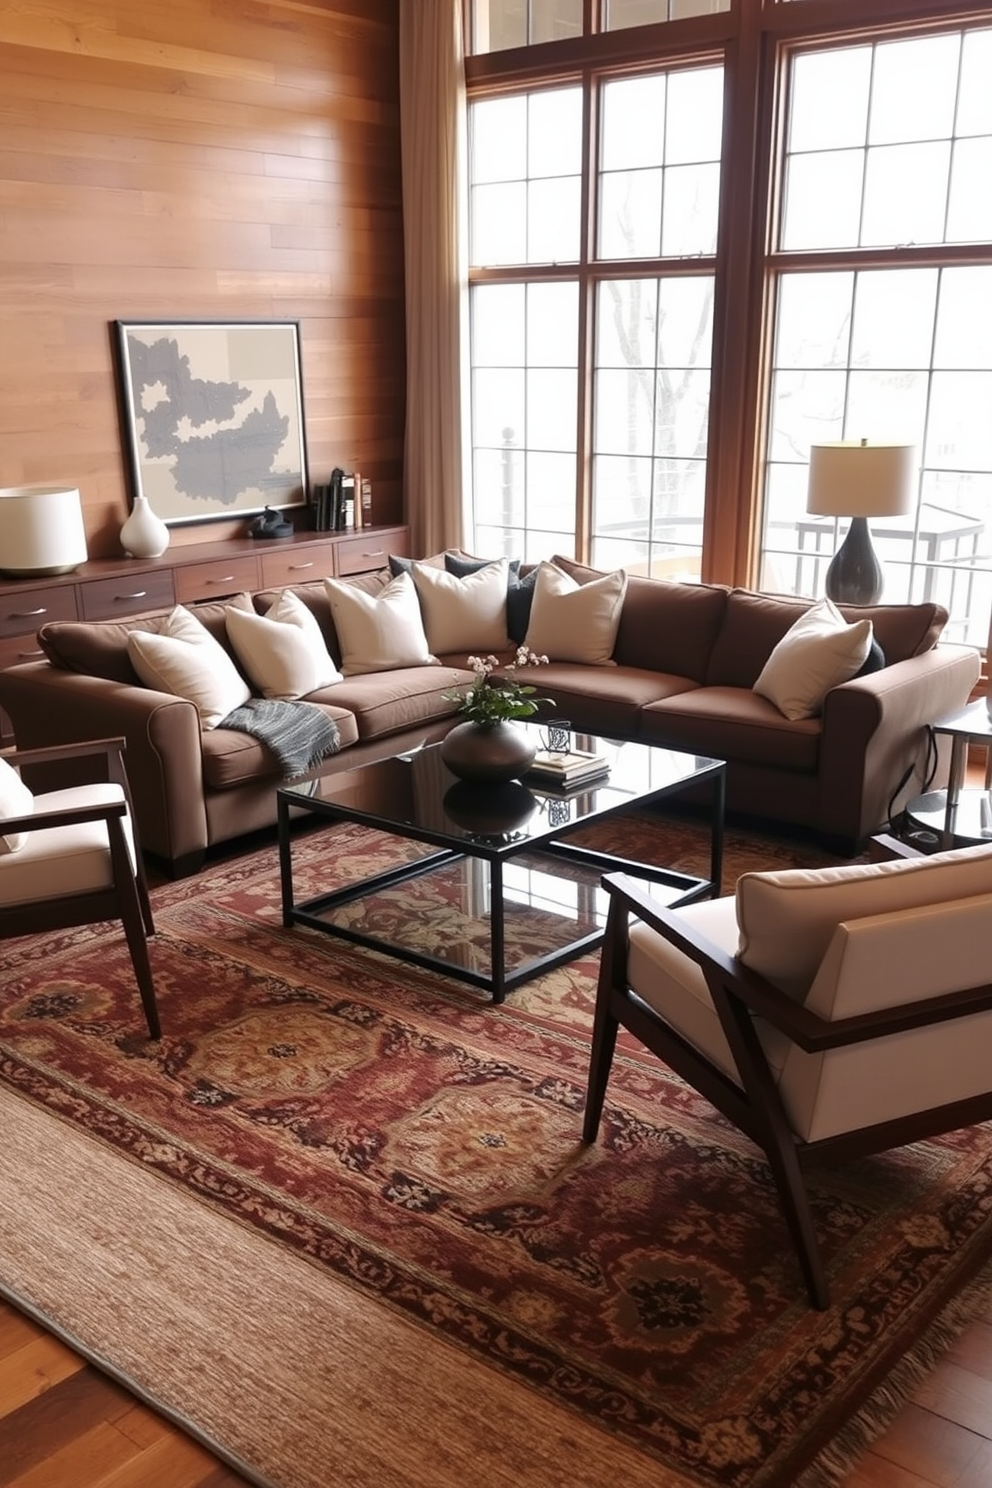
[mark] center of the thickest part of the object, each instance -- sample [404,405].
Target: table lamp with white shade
[41,531]
[859,479]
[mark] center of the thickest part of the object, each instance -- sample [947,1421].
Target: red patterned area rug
[396,1132]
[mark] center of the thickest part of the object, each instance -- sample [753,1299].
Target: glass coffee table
[490,888]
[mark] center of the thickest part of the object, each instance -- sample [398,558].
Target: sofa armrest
[874,734]
[164,759]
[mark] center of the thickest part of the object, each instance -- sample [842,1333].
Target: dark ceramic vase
[487,754]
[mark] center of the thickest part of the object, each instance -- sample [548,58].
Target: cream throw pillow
[185,660]
[575,622]
[463,613]
[819,652]
[283,651]
[15,800]
[380,632]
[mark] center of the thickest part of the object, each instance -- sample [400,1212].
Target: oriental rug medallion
[395,1130]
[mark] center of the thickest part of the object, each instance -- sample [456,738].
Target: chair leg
[775,1136]
[134,920]
[605,1025]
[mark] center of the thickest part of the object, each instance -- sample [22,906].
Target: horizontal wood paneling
[186,161]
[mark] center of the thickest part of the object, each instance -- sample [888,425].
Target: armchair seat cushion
[57,862]
[673,985]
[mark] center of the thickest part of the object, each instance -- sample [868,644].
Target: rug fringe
[833,1465]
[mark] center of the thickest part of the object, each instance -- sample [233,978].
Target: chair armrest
[65,816]
[729,976]
[42,755]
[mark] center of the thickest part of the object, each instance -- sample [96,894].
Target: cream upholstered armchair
[71,857]
[840,1012]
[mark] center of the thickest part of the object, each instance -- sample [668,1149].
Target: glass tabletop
[415,792]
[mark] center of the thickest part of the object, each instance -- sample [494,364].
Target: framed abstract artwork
[213,416]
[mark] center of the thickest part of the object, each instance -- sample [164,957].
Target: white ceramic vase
[144,535]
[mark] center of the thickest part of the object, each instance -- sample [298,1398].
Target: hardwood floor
[65,1425]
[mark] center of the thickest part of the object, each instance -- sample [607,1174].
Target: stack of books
[576,767]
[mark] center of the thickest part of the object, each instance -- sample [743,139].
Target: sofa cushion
[754,623]
[787,919]
[664,626]
[15,800]
[819,651]
[608,700]
[732,723]
[98,648]
[283,653]
[232,759]
[387,702]
[463,613]
[575,622]
[378,632]
[185,660]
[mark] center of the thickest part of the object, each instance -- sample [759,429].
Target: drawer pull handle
[139,594]
[227,579]
[379,553]
[297,567]
[28,614]
[29,655]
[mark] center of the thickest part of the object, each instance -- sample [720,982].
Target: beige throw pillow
[283,651]
[819,652]
[185,660]
[15,800]
[575,622]
[463,613]
[380,632]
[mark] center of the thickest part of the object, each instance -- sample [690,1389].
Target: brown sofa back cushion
[315,597]
[98,648]
[664,626]
[755,623]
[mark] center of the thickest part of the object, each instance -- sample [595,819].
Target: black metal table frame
[498,981]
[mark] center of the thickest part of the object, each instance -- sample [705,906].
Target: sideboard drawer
[357,555]
[130,594]
[214,580]
[23,611]
[298,565]
[16,650]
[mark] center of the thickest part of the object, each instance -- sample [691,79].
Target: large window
[900,350]
[647,339]
[699,248]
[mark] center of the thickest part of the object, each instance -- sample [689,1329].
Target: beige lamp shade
[41,530]
[855,478]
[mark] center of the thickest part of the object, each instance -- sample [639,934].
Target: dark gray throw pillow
[399,565]
[519,594]
[462,567]
[873,662]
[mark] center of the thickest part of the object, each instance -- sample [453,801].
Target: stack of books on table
[562,771]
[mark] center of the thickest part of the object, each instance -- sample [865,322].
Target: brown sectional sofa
[685,660]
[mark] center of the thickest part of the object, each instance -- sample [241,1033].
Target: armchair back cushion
[787,919]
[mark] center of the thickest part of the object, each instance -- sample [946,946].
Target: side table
[959,817]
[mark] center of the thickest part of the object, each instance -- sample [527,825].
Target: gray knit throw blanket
[300,735]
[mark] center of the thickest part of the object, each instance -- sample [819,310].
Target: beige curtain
[432,125]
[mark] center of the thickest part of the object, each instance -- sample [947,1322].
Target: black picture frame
[212,415]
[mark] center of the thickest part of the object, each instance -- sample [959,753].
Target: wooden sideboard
[107,588]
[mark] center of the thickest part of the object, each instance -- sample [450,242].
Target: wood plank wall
[193,159]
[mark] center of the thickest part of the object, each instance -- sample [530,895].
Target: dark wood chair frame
[125,900]
[755,1106]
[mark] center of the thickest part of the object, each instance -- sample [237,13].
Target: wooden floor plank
[88,1458]
[34,1369]
[49,1421]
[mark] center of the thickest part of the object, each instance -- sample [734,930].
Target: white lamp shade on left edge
[41,531]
